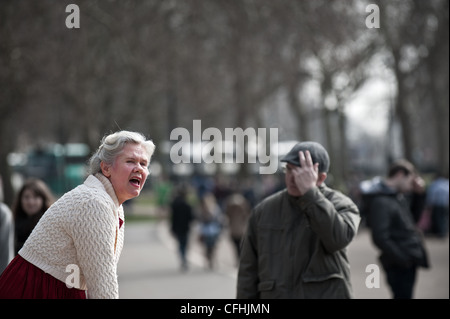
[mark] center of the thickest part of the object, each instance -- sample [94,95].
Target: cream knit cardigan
[81,230]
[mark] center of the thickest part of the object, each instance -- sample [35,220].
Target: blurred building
[62,167]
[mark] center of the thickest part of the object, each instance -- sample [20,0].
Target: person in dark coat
[393,228]
[181,218]
[295,245]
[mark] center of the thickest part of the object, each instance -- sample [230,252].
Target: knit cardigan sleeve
[94,237]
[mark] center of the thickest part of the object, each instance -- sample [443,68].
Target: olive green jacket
[296,247]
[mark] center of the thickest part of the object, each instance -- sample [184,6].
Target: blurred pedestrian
[296,239]
[437,202]
[6,236]
[211,224]
[393,228]
[181,219]
[74,249]
[33,200]
[237,211]
[163,191]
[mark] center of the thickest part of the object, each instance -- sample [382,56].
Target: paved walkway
[149,267]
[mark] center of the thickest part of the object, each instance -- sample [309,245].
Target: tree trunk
[401,110]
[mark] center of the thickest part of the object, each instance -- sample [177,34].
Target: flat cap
[318,154]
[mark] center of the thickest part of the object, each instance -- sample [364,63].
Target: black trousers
[439,220]
[401,281]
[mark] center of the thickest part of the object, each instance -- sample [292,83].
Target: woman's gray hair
[113,144]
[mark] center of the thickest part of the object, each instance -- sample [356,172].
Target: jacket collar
[101,180]
[108,187]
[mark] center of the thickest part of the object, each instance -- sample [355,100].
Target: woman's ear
[321,179]
[105,169]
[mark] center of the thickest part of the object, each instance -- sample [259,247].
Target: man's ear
[321,179]
[105,169]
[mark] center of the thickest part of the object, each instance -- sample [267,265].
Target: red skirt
[23,280]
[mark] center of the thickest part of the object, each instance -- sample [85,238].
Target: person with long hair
[33,199]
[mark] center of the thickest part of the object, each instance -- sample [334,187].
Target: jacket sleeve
[94,236]
[333,217]
[247,281]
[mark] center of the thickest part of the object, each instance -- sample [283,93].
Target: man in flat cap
[296,239]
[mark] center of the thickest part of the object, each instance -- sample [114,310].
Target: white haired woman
[74,249]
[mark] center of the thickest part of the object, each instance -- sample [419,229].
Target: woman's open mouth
[136,181]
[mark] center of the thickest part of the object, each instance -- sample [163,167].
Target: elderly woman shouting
[74,249]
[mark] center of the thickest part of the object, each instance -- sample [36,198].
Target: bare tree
[416,35]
